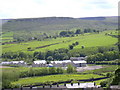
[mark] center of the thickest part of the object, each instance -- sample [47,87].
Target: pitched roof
[77,58]
[64,61]
[82,61]
[16,62]
[39,62]
[5,62]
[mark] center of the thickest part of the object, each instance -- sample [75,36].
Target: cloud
[64,8]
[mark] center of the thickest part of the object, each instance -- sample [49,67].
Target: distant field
[108,68]
[54,78]
[7,36]
[86,40]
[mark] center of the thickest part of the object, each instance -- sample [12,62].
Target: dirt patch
[5,67]
[81,69]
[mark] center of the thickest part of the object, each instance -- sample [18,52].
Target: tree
[78,31]
[48,53]
[70,47]
[59,70]
[63,33]
[76,43]
[70,69]
[50,58]
[40,55]
[52,70]
[82,47]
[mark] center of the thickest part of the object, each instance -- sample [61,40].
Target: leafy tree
[40,55]
[48,53]
[76,43]
[73,44]
[82,47]
[63,33]
[70,69]
[50,58]
[52,70]
[59,70]
[78,31]
[70,47]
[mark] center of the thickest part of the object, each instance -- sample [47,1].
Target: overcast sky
[58,8]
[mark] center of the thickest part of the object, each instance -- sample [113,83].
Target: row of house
[75,61]
[20,63]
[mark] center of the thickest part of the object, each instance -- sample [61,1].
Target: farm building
[77,58]
[81,63]
[39,63]
[19,63]
[5,63]
[63,63]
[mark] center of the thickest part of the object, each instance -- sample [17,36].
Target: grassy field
[7,36]
[88,40]
[54,78]
[105,70]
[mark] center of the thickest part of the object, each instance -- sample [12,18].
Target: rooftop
[40,62]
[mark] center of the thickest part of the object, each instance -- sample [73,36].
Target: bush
[8,77]
[70,69]
[103,83]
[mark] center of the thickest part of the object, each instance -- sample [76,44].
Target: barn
[81,63]
[39,63]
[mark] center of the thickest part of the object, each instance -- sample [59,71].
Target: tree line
[105,56]
[100,53]
[78,31]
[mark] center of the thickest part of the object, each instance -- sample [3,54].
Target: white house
[5,63]
[81,63]
[39,63]
[63,63]
[77,58]
[20,63]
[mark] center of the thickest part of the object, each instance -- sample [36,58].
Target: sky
[58,8]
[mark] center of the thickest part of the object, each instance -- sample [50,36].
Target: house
[81,63]
[5,63]
[63,63]
[19,63]
[39,63]
[84,85]
[77,58]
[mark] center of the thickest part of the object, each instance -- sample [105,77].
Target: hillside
[59,23]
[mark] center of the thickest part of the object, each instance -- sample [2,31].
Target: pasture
[88,40]
[53,78]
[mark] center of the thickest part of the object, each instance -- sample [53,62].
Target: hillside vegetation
[59,23]
[87,40]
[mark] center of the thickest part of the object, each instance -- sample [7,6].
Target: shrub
[70,69]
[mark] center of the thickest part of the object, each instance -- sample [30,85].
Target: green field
[7,36]
[105,70]
[88,40]
[54,78]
